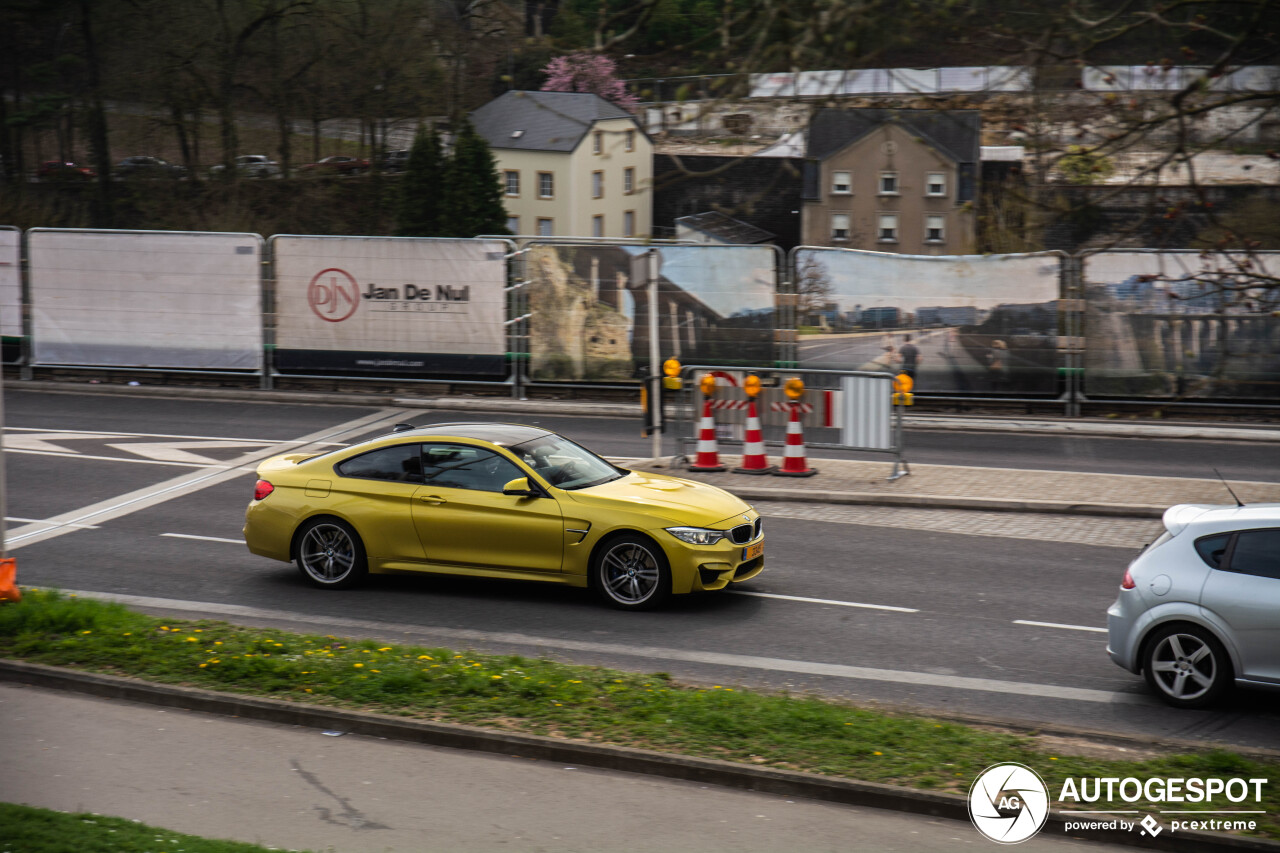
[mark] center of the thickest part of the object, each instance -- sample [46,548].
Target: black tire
[1186,666]
[330,554]
[631,573]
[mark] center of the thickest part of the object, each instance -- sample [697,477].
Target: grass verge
[27,830]
[587,703]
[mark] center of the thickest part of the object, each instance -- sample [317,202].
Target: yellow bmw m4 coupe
[499,501]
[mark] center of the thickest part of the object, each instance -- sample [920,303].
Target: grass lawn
[512,693]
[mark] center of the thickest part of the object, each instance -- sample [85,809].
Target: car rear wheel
[330,554]
[631,573]
[1186,666]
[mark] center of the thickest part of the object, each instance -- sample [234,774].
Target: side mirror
[519,486]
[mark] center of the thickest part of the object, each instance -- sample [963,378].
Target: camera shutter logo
[333,295]
[1008,803]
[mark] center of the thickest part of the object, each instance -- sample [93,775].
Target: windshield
[564,464]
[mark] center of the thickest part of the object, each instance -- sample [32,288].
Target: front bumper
[698,568]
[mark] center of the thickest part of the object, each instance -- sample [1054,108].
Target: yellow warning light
[904,398]
[903,383]
[752,386]
[671,367]
[794,388]
[708,384]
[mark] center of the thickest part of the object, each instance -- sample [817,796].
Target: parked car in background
[1199,608]
[500,501]
[394,161]
[142,166]
[252,166]
[338,164]
[64,170]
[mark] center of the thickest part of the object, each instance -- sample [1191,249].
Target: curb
[626,759]
[944,423]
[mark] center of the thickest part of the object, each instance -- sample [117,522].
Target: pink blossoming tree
[588,72]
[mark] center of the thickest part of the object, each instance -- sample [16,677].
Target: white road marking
[178,451]
[824,601]
[42,521]
[45,441]
[1060,625]
[203,538]
[922,679]
[81,433]
[74,455]
[149,496]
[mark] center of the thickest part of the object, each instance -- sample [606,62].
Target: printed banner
[11,292]
[159,299]
[966,324]
[716,305]
[390,305]
[1176,324]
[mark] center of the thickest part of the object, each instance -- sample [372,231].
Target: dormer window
[516,134]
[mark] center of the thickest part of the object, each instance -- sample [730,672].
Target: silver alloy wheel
[1184,666]
[327,553]
[629,573]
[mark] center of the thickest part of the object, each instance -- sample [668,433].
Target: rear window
[1212,548]
[1257,553]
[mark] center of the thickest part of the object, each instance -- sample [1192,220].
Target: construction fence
[1135,324]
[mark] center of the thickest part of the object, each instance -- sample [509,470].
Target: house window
[840,227]
[935,228]
[597,226]
[888,232]
[628,180]
[842,183]
[597,142]
[888,183]
[546,185]
[629,223]
[513,224]
[935,184]
[546,227]
[511,179]
[631,140]
[597,184]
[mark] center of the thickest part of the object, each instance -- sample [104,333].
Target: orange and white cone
[753,459]
[708,458]
[793,460]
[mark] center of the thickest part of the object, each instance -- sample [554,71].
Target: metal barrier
[841,410]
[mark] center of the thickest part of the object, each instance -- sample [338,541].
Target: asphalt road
[1003,625]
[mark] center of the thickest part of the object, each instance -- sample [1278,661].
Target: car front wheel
[631,573]
[1186,666]
[330,554]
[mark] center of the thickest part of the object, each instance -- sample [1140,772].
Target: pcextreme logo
[1009,803]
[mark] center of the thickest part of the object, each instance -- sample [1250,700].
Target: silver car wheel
[631,573]
[1187,666]
[330,554]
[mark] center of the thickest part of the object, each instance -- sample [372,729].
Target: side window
[1212,548]
[1257,552]
[399,463]
[460,466]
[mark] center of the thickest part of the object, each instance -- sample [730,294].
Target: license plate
[752,551]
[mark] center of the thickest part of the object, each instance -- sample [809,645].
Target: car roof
[1221,516]
[503,435]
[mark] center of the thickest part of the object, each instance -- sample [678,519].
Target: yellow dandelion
[357,665]
[192,640]
[425,657]
[877,752]
[86,632]
[496,677]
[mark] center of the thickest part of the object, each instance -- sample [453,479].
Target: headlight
[697,535]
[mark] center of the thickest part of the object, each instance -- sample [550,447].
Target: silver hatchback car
[1199,608]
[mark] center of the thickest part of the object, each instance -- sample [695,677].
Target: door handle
[433,499]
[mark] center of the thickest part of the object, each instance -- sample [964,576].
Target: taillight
[1127,583]
[262,488]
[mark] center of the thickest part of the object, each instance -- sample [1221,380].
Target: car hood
[665,498]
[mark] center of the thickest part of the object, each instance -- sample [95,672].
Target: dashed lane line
[824,601]
[920,679]
[203,538]
[1060,625]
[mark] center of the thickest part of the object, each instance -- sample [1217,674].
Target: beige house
[901,181]
[571,164]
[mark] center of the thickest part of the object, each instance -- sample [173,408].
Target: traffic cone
[753,458]
[793,461]
[708,458]
[9,580]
